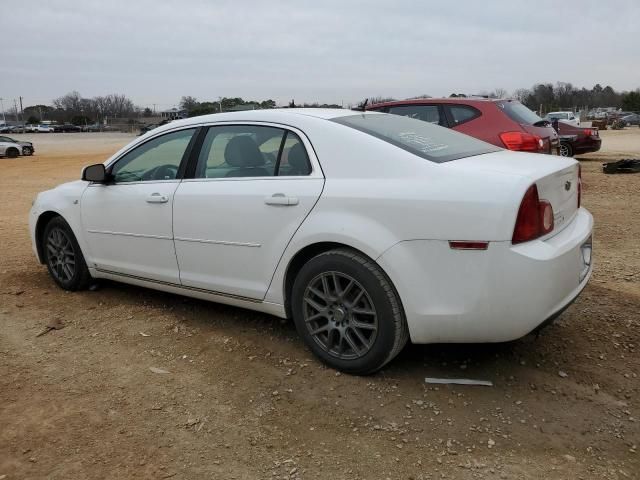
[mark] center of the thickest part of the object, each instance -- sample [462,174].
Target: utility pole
[21,111]
[15,107]
[154,109]
[2,107]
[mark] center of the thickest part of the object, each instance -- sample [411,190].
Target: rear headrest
[298,159]
[242,151]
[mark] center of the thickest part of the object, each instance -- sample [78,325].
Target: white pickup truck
[566,117]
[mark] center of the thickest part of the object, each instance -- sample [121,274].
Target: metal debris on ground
[159,370]
[458,381]
[55,324]
[626,165]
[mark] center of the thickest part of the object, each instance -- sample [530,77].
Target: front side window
[423,139]
[426,113]
[157,159]
[235,151]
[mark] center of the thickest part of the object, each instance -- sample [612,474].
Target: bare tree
[189,103]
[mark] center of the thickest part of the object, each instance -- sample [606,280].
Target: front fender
[65,202]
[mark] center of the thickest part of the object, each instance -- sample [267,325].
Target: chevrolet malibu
[366,229]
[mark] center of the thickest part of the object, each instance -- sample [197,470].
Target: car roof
[275,115]
[460,100]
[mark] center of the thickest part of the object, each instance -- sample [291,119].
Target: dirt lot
[244,399]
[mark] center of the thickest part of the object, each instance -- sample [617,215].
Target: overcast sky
[156,51]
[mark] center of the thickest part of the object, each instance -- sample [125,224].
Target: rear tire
[566,150]
[63,256]
[347,312]
[12,152]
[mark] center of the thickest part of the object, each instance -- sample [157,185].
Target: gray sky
[155,51]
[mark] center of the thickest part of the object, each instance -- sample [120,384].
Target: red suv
[504,123]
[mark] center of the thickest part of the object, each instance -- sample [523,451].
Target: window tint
[239,151]
[420,138]
[519,113]
[157,159]
[462,113]
[251,151]
[294,160]
[426,113]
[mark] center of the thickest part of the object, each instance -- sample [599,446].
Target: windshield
[519,113]
[431,142]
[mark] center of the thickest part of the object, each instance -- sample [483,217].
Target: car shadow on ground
[477,361]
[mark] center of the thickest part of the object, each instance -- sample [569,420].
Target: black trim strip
[276,170]
[182,287]
[194,153]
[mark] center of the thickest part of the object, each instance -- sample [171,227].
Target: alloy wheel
[60,255]
[564,150]
[340,315]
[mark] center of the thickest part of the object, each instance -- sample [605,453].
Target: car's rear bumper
[496,295]
[588,145]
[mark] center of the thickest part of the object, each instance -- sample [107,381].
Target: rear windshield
[519,113]
[431,142]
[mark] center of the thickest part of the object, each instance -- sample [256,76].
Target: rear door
[252,187]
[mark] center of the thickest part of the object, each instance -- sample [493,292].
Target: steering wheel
[161,172]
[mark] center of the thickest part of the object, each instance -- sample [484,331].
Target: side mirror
[95,173]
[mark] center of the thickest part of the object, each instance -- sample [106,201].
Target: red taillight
[523,142]
[590,132]
[535,217]
[579,184]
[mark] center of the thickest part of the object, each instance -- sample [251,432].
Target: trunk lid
[560,188]
[555,177]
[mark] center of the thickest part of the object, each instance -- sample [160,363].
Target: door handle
[157,198]
[281,199]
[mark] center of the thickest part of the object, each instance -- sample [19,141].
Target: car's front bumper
[495,295]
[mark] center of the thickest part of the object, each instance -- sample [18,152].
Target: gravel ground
[244,399]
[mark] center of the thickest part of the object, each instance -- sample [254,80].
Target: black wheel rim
[60,255]
[564,151]
[340,316]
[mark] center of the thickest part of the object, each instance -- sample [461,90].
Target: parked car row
[501,122]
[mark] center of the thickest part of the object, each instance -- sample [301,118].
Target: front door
[128,222]
[253,187]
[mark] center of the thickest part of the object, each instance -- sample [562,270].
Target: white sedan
[366,229]
[10,149]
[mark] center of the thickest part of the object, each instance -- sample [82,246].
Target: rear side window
[423,139]
[462,113]
[426,113]
[233,151]
[519,113]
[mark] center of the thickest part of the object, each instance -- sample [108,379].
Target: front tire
[63,256]
[347,312]
[566,150]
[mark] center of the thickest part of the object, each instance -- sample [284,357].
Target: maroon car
[504,123]
[577,140]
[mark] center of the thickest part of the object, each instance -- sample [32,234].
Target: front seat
[243,154]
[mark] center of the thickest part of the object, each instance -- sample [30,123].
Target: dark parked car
[631,119]
[504,123]
[577,140]
[68,127]
[27,147]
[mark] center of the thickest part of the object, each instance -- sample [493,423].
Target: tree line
[542,97]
